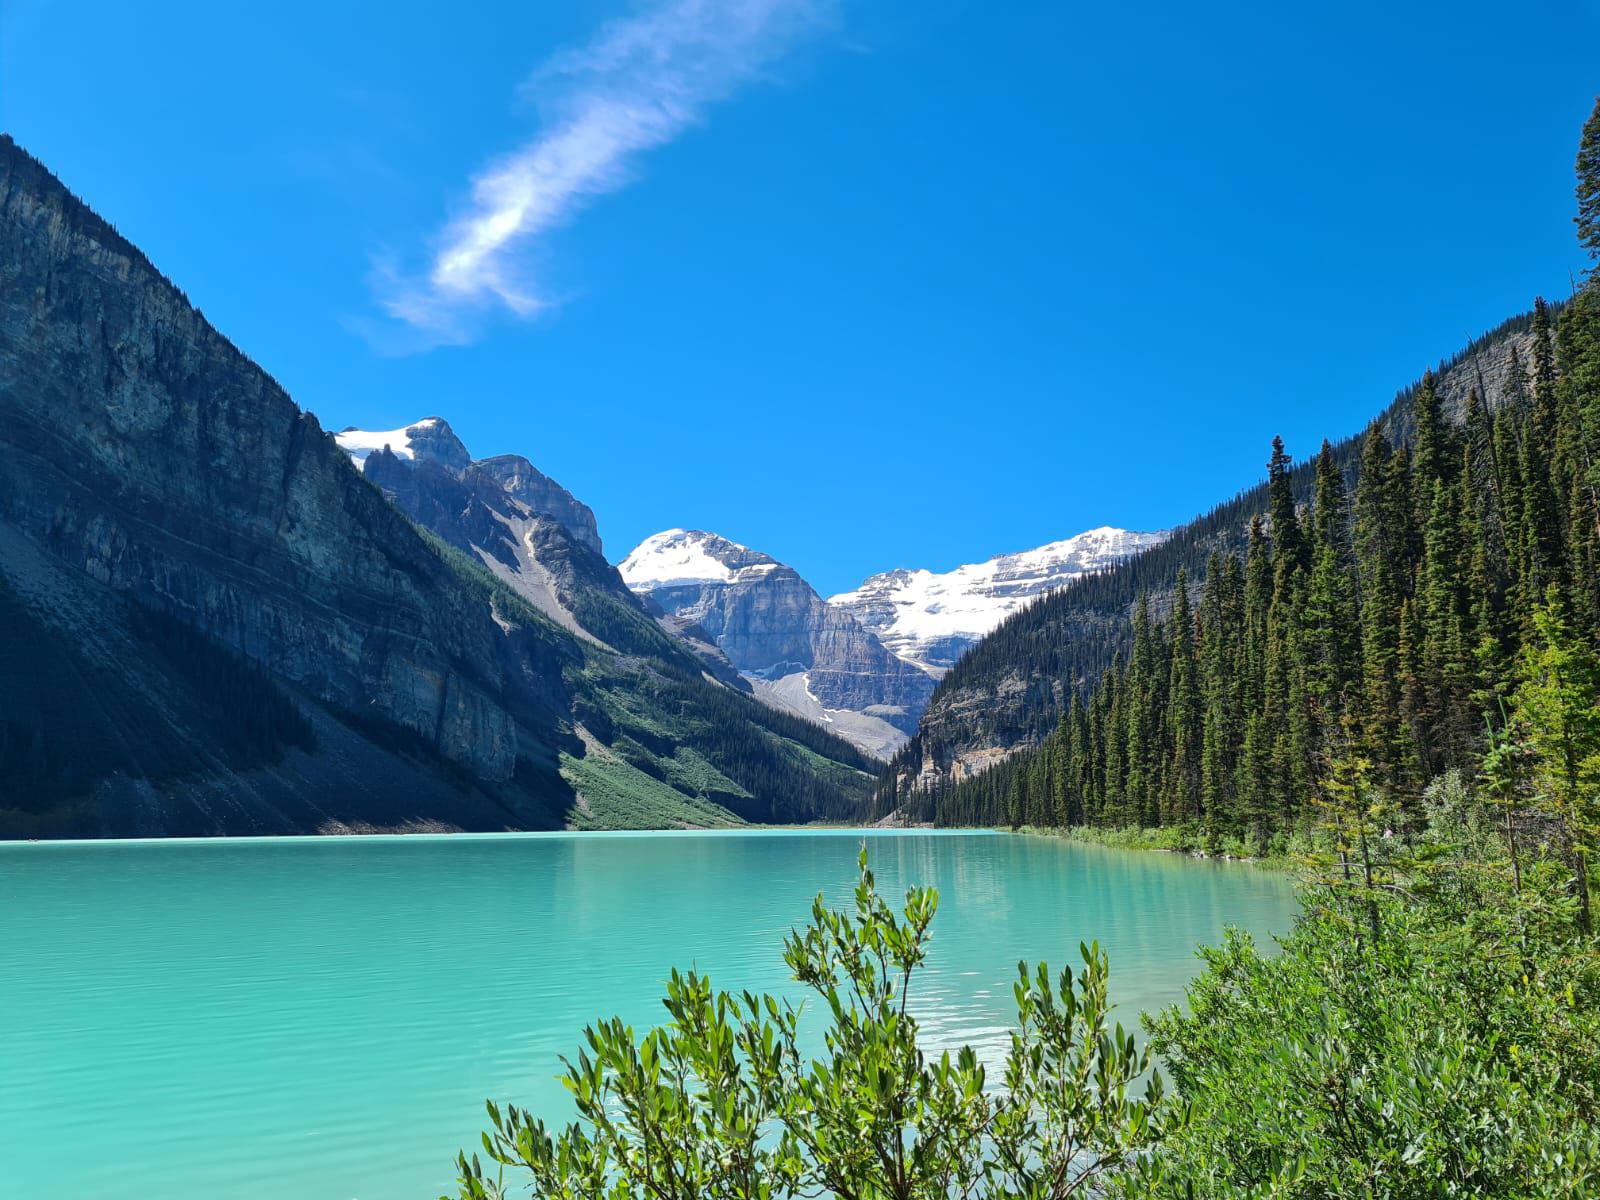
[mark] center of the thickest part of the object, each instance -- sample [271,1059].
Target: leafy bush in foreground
[1429,1029]
[721,1103]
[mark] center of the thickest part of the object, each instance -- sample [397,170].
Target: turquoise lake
[321,1019]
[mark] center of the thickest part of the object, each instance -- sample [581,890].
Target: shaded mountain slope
[158,489]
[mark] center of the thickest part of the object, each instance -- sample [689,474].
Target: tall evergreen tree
[1379,552]
[1185,714]
[1431,451]
[1332,628]
[1558,705]
[1541,534]
[1588,218]
[1288,543]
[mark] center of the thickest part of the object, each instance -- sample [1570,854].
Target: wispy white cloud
[639,83]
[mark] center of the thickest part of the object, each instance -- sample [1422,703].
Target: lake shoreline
[1160,841]
[1150,840]
[1157,839]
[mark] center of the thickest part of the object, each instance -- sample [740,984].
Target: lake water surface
[321,1019]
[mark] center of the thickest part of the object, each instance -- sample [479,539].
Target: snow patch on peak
[930,618]
[679,556]
[402,443]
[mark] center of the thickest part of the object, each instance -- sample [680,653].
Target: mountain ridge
[177,529]
[786,645]
[987,707]
[931,618]
[798,653]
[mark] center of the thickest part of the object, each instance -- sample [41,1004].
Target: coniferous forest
[1429,604]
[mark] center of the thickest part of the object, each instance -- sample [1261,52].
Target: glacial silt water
[321,1019]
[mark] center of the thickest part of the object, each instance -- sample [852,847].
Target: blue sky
[860,285]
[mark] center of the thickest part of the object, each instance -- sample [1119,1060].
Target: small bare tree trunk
[1366,871]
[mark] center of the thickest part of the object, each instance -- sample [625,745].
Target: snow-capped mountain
[798,652]
[430,438]
[683,557]
[432,447]
[932,618]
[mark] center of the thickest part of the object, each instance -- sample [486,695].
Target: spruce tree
[1445,641]
[1185,713]
[1138,712]
[1253,784]
[1588,218]
[1378,549]
[1558,708]
[1331,624]
[1484,482]
[1415,704]
[1430,445]
[1288,545]
[1220,650]
[1257,603]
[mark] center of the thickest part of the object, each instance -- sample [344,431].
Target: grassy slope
[660,746]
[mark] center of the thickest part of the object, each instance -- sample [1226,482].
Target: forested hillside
[1390,599]
[1368,641]
[1010,691]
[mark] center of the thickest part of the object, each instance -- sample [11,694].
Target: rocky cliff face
[150,468]
[933,618]
[145,451]
[543,495]
[800,652]
[532,533]
[506,485]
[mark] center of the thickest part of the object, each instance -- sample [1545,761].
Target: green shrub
[1435,1036]
[722,1104]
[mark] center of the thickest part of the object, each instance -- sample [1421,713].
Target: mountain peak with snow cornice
[678,557]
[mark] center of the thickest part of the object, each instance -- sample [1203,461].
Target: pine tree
[1558,707]
[1331,624]
[1288,543]
[1485,480]
[1515,393]
[1057,747]
[1138,712]
[1542,537]
[1258,570]
[1485,586]
[1431,451]
[1588,218]
[1415,703]
[1114,771]
[1221,653]
[1185,713]
[1446,640]
[1256,808]
[1379,547]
